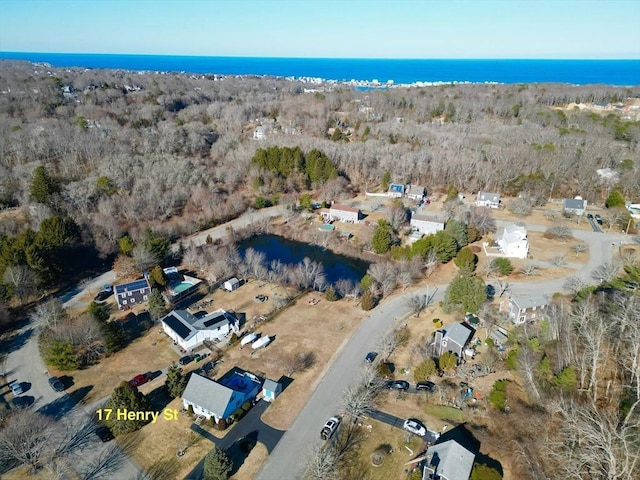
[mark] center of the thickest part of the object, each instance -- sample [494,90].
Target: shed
[231,284]
[271,389]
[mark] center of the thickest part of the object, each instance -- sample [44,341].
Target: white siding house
[341,213]
[416,192]
[189,331]
[513,242]
[491,200]
[426,225]
[220,399]
[527,308]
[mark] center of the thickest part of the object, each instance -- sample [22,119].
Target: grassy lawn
[445,413]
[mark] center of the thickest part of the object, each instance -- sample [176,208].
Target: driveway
[398,422]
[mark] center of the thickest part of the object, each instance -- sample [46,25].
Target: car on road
[371,356]
[102,296]
[16,388]
[104,434]
[598,218]
[589,216]
[185,360]
[398,385]
[415,426]
[428,386]
[139,380]
[330,428]
[56,384]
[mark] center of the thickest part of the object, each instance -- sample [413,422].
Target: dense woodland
[95,163]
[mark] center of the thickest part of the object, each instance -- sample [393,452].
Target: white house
[426,225]
[220,399]
[448,461]
[396,190]
[574,206]
[341,213]
[513,242]
[189,331]
[416,192]
[491,200]
[525,308]
[271,389]
[260,133]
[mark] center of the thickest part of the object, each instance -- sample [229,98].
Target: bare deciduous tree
[417,303]
[529,269]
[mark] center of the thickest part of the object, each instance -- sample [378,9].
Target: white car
[414,426]
[329,428]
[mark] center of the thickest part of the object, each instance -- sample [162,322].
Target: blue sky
[328,28]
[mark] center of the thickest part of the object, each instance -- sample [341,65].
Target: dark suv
[56,384]
[398,385]
[185,360]
[428,386]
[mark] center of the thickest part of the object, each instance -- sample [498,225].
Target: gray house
[525,308]
[448,461]
[220,399]
[574,206]
[131,294]
[452,339]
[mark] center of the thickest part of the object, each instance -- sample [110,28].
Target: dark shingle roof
[131,286]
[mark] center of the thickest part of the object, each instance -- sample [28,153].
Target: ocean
[406,71]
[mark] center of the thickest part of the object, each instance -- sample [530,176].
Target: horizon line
[326,58]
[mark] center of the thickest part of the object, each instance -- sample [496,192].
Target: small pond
[336,266]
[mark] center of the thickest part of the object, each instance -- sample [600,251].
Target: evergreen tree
[382,237]
[217,465]
[126,245]
[465,293]
[157,305]
[157,277]
[458,230]
[42,185]
[126,398]
[484,472]
[445,246]
[424,370]
[466,260]
[503,265]
[615,199]
[176,381]
[386,181]
[447,361]
[61,355]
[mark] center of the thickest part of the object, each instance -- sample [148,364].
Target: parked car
[104,434]
[398,385]
[20,402]
[598,218]
[56,384]
[102,296]
[415,426]
[371,356]
[428,386]
[329,428]
[16,388]
[138,380]
[589,216]
[185,360]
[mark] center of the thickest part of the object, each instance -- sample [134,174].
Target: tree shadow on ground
[240,450]
[158,398]
[16,341]
[63,405]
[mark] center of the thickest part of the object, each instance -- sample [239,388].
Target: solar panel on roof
[177,326]
[216,319]
[128,287]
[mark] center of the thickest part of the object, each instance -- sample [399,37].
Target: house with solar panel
[220,399]
[189,331]
[130,294]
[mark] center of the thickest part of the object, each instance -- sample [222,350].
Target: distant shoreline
[364,73]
